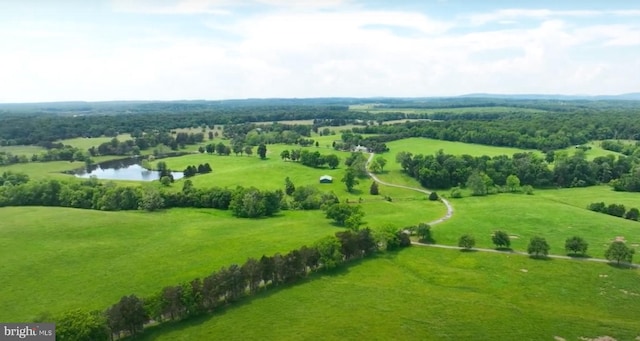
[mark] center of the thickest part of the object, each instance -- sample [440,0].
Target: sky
[101,50]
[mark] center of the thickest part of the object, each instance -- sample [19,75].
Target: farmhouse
[360,148]
[326,179]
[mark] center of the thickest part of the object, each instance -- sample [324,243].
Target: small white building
[360,148]
[326,179]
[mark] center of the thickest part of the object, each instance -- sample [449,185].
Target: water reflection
[126,169]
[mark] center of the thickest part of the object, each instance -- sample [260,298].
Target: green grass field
[57,259]
[418,145]
[428,294]
[85,143]
[89,259]
[595,151]
[22,150]
[552,214]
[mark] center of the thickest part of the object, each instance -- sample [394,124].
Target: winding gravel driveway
[450,214]
[443,200]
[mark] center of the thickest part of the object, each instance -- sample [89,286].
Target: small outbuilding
[326,179]
[361,149]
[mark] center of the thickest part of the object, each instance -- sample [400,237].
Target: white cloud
[305,52]
[173,7]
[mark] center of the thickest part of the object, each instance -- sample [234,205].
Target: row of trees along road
[538,246]
[221,288]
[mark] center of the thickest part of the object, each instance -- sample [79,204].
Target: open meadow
[425,146]
[422,293]
[89,259]
[553,214]
[22,150]
[84,143]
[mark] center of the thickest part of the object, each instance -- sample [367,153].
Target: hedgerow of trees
[616,210]
[17,190]
[224,287]
[485,175]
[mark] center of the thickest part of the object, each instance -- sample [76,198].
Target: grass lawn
[57,259]
[418,145]
[84,143]
[553,214]
[44,170]
[22,150]
[430,294]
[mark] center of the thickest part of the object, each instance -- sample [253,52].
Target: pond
[125,169]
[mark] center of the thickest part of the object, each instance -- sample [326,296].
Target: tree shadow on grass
[578,255]
[622,266]
[504,249]
[468,250]
[540,257]
[355,191]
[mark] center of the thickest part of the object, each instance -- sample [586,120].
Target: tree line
[542,131]
[17,190]
[54,152]
[34,127]
[441,171]
[538,246]
[224,287]
[311,159]
[616,210]
[622,148]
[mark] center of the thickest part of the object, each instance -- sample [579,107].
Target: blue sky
[220,49]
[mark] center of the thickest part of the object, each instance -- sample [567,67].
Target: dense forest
[552,124]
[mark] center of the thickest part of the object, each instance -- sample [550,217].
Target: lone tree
[424,233]
[248,150]
[349,179]
[332,160]
[620,252]
[341,212]
[538,246]
[289,187]
[433,196]
[373,190]
[501,239]
[575,245]
[466,241]
[262,151]
[381,162]
[285,155]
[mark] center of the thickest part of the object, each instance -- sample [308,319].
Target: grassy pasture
[595,151]
[418,145]
[428,294]
[406,208]
[84,143]
[22,150]
[44,170]
[552,214]
[56,259]
[89,258]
